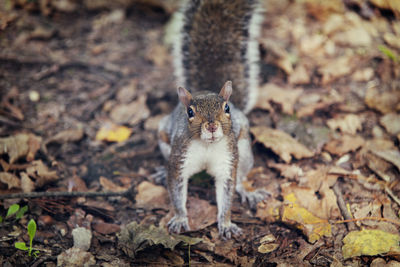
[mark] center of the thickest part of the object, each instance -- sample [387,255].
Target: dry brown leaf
[356,36]
[385,4]
[62,137]
[151,196]
[41,173]
[392,40]
[10,180]
[392,156]
[281,143]
[323,205]
[285,97]
[313,102]
[201,214]
[127,93]
[344,144]
[27,185]
[349,123]
[158,54]
[99,204]
[299,75]
[288,171]
[335,69]
[324,9]
[391,122]
[20,145]
[363,75]
[383,101]
[108,185]
[105,228]
[75,183]
[131,113]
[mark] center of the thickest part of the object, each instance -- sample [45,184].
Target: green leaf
[389,53]
[31,229]
[12,209]
[20,245]
[21,212]
[1,219]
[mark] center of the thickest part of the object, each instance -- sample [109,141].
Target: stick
[342,206]
[127,193]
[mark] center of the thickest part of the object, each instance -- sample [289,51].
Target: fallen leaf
[281,143]
[151,196]
[392,156]
[267,247]
[384,4]
[131,113]
[127,93]
[105,228]
[382,100]
[113,133]
[355,37]
[291,213]
[349,123]
[288,171]
[10,180]
[110,186]
[335,69]
[75,257]
[226,249]
[323,205]
[41,173]
[27,185]
[99,205]
[283,96]
[324,9]
[20,145]
[391,122]
[134,238]
[201,214]
[158,54]
[66,136]
[344,144]
[300,75]
[369,243]
[363,75]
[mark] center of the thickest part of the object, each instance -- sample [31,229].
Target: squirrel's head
[208,114]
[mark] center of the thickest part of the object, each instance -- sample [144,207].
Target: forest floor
[83,85]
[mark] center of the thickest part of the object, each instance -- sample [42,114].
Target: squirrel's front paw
[226,231]
[254,197]
[178,222]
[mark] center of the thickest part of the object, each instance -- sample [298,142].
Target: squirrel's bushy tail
[216,42]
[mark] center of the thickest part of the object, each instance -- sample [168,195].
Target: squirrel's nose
[212,127]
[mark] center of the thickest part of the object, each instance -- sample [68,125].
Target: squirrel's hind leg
[245,164]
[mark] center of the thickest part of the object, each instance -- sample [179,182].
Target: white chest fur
[215,158]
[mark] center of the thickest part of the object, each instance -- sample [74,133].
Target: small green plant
[389,53]
[15,209]
[31,233]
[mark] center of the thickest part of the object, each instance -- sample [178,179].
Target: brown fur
[215,46]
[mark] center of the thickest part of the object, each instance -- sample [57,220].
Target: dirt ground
[83,85]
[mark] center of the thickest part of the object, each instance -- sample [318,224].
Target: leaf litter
[340,60]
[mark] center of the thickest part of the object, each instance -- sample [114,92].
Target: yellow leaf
[113,133]
[312,226]
[369,242]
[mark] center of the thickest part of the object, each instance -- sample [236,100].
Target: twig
[343,208]
[370,218]
[127,193]
[392,195]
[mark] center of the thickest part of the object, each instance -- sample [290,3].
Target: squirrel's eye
[227,109]
[190,112]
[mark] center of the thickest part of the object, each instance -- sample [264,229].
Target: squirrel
[216,46]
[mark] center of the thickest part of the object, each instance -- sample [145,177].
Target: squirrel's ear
[184,96]
[226,91]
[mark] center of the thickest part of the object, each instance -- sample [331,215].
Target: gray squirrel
[215,47]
